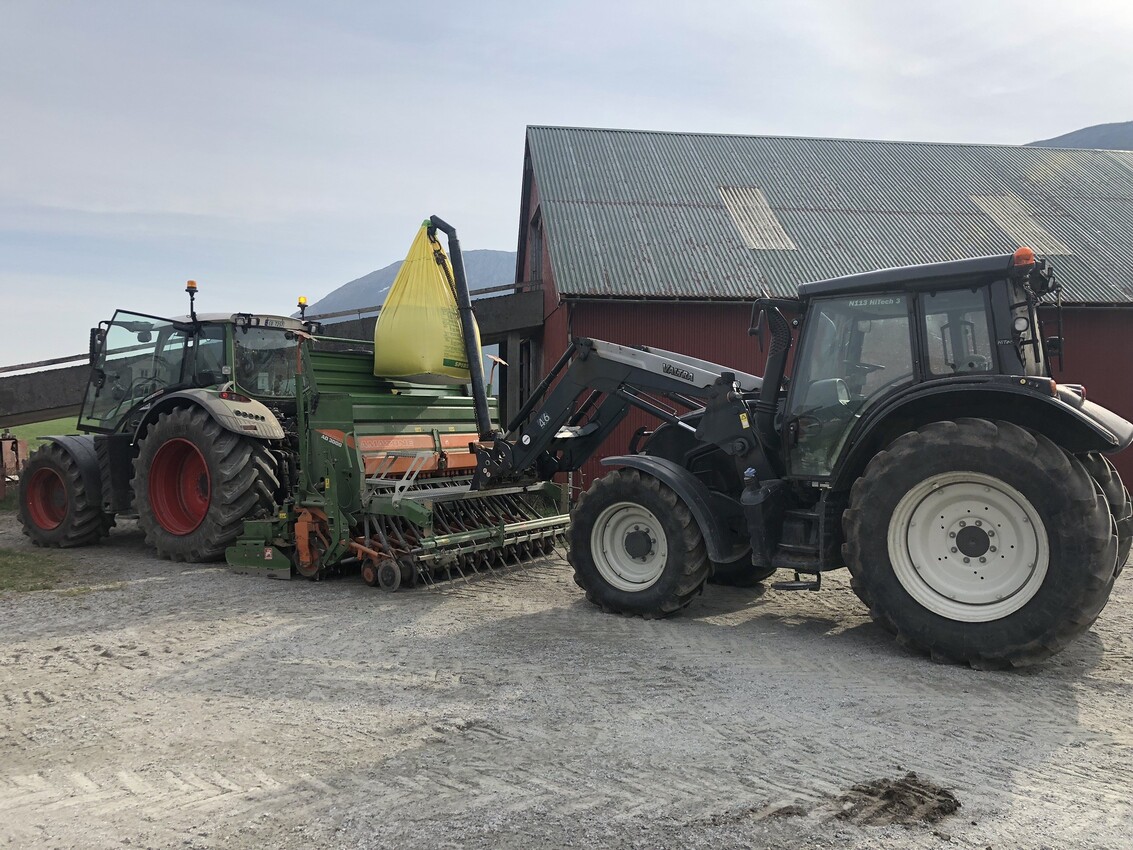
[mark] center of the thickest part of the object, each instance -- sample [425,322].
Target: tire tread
[1084,507]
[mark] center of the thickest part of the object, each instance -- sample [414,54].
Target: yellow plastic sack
[417,337]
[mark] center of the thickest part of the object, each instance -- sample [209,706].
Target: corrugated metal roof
[647,214]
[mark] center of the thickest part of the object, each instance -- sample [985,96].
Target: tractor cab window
[209,357]
[854,351]
[957,333]
[135,357]
[265,361]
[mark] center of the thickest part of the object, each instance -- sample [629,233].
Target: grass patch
[23,571]
[51,427]
[10,501]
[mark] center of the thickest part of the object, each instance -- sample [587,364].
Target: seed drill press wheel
[389,575]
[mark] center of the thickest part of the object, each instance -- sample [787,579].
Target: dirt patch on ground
[174,705]
[888,801]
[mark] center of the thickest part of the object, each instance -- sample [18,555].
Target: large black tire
[914,543]
[195,483]
[1120,505]
[739,573]
[636,513]
[55,508]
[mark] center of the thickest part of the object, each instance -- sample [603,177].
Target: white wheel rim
[968,546]
[629,524]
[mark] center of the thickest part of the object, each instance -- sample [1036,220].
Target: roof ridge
[702,134]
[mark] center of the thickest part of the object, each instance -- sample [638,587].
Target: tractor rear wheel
[980,542]
[55,507]
[1120,505]
[635,547]
[195,483]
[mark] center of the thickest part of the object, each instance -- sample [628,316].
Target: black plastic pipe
[767,405]
[467,328]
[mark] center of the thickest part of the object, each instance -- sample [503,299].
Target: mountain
[484,269]
[1114,137]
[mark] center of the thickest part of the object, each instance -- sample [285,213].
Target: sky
[276,149]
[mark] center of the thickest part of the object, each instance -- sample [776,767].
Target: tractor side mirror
[1054,346]
[757,327]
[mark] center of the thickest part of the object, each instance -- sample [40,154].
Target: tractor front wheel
[635,547]
[55,507]
[195,483]
[980,542]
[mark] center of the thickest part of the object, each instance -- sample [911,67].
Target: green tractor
[184,426]
[259,437]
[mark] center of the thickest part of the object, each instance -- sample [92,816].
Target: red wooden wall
[1099,355]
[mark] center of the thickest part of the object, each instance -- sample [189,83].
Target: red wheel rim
[179,487]
[46,499]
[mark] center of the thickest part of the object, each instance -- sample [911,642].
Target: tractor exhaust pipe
[467,327]
[768,402]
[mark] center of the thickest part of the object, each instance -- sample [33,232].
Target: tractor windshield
[854,350]
[266,361]
[135,357]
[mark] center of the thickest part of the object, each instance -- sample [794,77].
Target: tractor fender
[1078,428]
[81,448]
[718,540]
[248,418]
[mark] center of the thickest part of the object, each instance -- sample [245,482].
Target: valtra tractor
[920,441]
[260,437]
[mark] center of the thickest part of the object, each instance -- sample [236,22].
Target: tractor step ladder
[799,583]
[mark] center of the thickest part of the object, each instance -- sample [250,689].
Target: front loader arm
[558,430]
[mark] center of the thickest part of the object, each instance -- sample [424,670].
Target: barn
[663,238]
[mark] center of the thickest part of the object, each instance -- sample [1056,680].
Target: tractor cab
[871,338]
[137,359]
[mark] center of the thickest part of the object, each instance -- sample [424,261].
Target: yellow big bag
[417,337]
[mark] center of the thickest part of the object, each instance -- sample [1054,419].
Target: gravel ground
[152,705]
